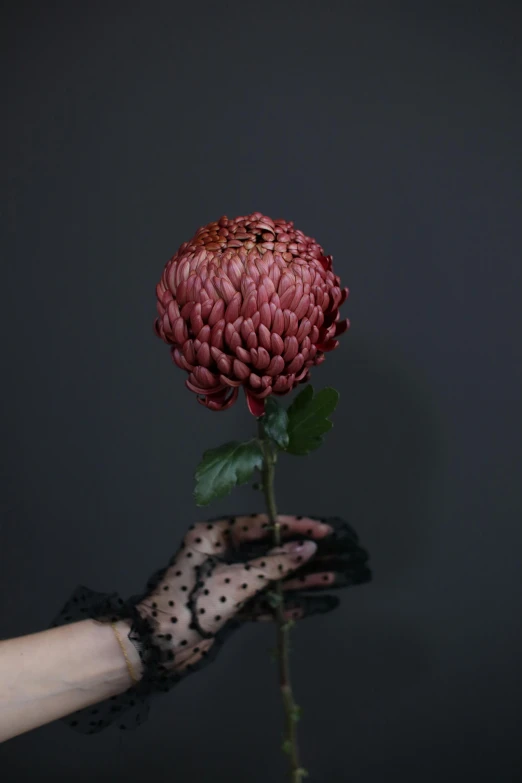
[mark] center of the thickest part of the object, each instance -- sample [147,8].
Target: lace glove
[219,579]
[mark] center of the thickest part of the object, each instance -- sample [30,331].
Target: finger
[311,604]
[216,536]
[337,538]
[276,564]
[257,527]
[321,572]
[296,607]
[333,564]
[351,562]
[290,614]
[342,539]
[340,527]
[205,538]
[308,581]
[352,555]
[329,580]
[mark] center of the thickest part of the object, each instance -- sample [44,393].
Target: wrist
[130,654]
[163,630]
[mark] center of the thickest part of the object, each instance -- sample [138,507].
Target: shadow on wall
[390,444]
[393,466]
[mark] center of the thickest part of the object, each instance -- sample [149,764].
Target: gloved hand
[220,578]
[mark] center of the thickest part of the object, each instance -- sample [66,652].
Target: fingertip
[316,527]
[310,526]
[324,530]
[302,549]
[310,548]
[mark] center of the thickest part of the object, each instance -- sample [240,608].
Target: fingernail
[325,528]
[300,547]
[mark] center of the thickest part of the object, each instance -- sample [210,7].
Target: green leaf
[275,423]
[308,419]
[222,468]
[302,772]
[286,747]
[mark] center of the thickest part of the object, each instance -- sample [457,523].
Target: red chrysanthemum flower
[251,302]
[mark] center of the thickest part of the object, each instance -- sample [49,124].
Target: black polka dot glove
[220,578]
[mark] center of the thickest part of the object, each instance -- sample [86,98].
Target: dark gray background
[389,132]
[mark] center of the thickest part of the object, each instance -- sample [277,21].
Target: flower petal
[217,312]
[278,324]
[276,366]
[216,335]
[241,370]
[204,378]
[255,405]
[287,297]
[341,327]
[296,363]
[233,308]
[277,345]
[264,337]
[224,364]
[254,381]
[265,314]
[249,306]
[188,351]
[232,338]
[291,348]
[179,330]
[262,359]
[243,354]
[173,310]
[203,355]
[220,402]
[302,307]
[291,323]
[229,381]
[227,289]
[329,345]
[196,321]
[281,384]
[204,334]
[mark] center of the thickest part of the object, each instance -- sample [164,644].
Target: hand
[219,579]
[225,568]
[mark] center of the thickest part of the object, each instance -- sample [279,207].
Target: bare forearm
[47,675]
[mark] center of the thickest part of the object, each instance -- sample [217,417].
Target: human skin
[47,675]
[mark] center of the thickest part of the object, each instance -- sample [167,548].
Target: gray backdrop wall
[388,131]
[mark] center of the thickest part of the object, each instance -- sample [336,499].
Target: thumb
[277,564]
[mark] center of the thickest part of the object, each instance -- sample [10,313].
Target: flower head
[252,302]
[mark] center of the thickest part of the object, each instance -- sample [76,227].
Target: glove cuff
[131,708]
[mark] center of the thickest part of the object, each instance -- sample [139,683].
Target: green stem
[283,649]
